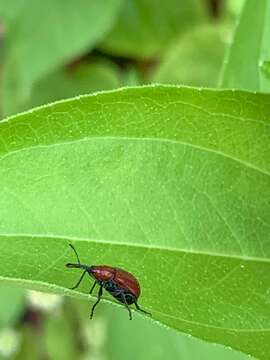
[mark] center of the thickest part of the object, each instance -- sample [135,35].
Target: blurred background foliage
[62,48]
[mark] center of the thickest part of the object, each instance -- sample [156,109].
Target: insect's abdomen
[128,296]
[118,292]
[127,281]
[121,278]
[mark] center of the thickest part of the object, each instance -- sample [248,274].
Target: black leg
[92,288]
[78,283]
[140,309]
[126,306]
[98,300]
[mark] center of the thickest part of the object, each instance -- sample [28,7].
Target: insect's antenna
[77,256]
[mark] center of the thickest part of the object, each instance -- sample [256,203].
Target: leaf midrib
[164,140]
[137,245]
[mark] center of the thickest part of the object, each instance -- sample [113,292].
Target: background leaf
[42,36]
[11,304]
[170,183]
[145,340]
[63,347]
[247,53]
[31,344]
[265,67]
[84,78]
[195,59]
[153,24]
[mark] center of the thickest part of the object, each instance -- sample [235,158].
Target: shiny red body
[121,277]
[121,284]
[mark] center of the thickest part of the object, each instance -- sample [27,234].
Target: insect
[122,285]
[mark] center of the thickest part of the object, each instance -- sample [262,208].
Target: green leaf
[144,339]
[132,76]
[12,304]
[32,346]
[146,27]
[265,67]
[9,343]
[234,7]
[195,59]
[82,79]
[170,183]
[249,49]
[156,342]
[60,339]
[42,36]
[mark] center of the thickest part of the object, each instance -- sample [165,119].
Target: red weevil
[121,284]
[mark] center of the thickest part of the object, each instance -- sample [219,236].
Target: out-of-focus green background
[56,49]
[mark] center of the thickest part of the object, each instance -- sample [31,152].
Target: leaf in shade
[241,68]
[146,27]
[12,304]
[195,59]
[69,82]
[42,36]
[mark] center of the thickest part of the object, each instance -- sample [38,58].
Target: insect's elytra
[121,284]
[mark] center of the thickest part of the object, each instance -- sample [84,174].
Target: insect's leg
[140,309]
[98,300]
[78,283]
[126,305]
[92,288]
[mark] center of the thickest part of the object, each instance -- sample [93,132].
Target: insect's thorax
[102,273]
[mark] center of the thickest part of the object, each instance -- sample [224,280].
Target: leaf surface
[170,183]
[156,342]
[247,55]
